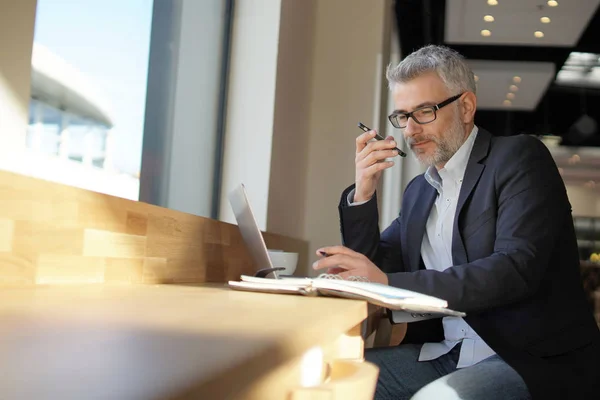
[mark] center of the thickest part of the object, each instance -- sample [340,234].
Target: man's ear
[469,105]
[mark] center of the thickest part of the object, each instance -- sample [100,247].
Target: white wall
[17,20]
[291,122]
[346,74]
[251,104]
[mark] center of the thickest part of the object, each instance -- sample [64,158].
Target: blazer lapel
[417,223]
[472,174]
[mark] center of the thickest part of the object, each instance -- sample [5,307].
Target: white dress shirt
[436,250]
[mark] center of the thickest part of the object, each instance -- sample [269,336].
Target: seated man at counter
[487,227]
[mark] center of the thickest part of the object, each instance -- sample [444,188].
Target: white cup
[284,259]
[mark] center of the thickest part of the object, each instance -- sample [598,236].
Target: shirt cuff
[350,199]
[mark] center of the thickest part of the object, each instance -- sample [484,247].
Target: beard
[446,145]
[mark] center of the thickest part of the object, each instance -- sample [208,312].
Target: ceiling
[515,22]
[523,82]
[540,104]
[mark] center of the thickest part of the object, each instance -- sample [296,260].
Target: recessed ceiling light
[510,96]
[488,18]
[551,3]
[545,20]
[516,79]
[507,102]
[538,34]
[492,2]
[486,32]
[513,88]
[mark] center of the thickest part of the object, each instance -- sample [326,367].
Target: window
[185,109]
[88,94]
[128,98]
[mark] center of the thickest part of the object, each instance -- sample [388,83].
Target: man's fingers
[380,166]
[361,140]
[342,261]
[388,143]
[345,274]
[374,148]
[338,256]
[332,250]
[328,262]
[335,270]
[377,156]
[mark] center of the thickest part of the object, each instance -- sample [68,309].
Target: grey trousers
[402,376]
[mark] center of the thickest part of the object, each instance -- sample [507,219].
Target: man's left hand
[345,262]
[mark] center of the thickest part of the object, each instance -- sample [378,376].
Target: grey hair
[450,66]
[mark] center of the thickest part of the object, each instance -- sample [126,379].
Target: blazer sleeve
[360,232]
[533,209]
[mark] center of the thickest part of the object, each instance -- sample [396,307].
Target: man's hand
[370,163]
[345,262]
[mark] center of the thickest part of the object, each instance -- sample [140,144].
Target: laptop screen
[249,228]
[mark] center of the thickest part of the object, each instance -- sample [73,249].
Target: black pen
[379,137]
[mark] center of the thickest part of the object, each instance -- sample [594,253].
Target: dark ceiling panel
[421,22]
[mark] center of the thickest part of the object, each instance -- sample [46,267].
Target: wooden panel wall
[55,234]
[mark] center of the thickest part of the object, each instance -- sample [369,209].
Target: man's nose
[412,127]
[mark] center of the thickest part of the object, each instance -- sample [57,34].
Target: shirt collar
[456,165]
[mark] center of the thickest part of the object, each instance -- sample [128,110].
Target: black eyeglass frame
[435,109]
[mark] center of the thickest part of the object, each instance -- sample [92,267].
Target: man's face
[436,142]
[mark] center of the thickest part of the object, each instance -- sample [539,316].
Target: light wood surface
[161,341]
[57,234]
[348,380]
[83,313]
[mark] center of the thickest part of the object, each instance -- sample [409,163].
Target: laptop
[250,231]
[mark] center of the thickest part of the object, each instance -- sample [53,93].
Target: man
[488,228]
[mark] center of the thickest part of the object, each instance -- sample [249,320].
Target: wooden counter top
[156,341]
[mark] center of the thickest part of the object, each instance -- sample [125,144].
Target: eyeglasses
[423,115]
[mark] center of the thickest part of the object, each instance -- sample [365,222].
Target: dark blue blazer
[516,264]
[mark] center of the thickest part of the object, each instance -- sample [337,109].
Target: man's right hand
[370,163]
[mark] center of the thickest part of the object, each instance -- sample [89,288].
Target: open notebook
[406,306]
[417,305]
